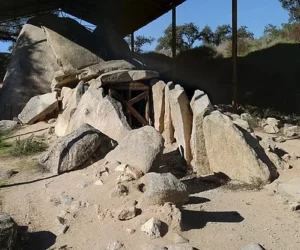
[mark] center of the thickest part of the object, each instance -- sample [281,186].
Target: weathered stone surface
[99,111]
[268,144]
[30,71]
[71,51]
[243,124]
[182,119]
[271,129]
[120,76]
[201,106]
[89,73]
[65,96]
[253,246]
[120,191]
[290,190]
[7,125]
[75,149]
[159,189]
[38,107]
[168,123]
[64,118]
[278,163]
[140,149]
[152,228]
[113,43]
[8,232]
[273,121]
[228,151]
[158,92]
[289,130]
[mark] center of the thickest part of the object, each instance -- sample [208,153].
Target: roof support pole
[132,43]
[234,55]
[174,31]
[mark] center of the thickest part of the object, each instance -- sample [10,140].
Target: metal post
[132,43]
[234,54]
[174,31]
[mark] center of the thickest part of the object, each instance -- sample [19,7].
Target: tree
[244,34]
[207,35]
[186,36]
[272,30]
[222,33]
[9,31]
[139,42]
[293,7]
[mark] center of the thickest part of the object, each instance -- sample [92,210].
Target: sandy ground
[215,218]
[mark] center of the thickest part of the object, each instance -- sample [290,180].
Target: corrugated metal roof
[127,15]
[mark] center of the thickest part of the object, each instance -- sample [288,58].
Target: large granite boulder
[201,106]
[45,45]
[103,113]
[70,103]
[182,119]
[75,149]
[30,71]
[159,189]
[141,149]
[229,152]
[38,107]
[8,232]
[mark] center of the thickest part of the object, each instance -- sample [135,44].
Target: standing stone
[201,106]
[182,119]
[75,149]
[229,153]
[65,96]
[103,113]
[140,148]
[168,123]
[38,107]
[8,232]
[71,106]
[158,90]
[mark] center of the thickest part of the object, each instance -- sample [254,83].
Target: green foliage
[139,42]
[244,34]
[27,147]
[186,37]
[5,147]
[207,35]
[293,7]
[222,34]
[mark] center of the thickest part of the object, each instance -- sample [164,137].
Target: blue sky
[253,13]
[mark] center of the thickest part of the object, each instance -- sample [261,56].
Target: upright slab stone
[182,119]
[158,92]
[201,106]
[168,124]
[38,107]
[103,113]
[71,104]
[229,153]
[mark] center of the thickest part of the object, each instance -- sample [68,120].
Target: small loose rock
[152,228]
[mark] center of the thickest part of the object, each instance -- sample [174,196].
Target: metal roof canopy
[126,15]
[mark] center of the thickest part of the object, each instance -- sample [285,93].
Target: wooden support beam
[234,55]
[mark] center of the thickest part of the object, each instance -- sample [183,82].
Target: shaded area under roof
[126,15]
